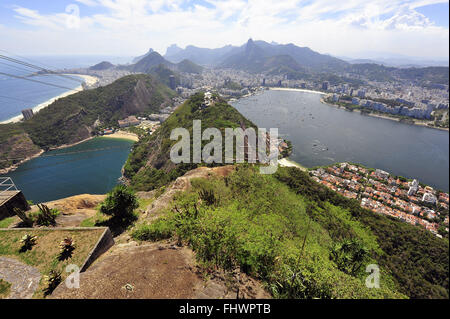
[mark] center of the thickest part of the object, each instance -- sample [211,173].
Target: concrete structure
[105,242]
[429,198]
[172,84]
[27,114]
[129,121]
[413,187]
[381,174]
[10,198]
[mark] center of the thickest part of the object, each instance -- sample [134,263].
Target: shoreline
[70,145]
[297,90]
[16,166]
[286,162]
[386,117]
[88,79]
[12,168]
[122,135]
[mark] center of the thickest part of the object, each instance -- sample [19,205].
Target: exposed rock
[24,279]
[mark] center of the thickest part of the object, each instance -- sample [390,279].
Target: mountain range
[297,62]
[260,57]
[257,56]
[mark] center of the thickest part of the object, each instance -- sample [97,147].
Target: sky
[351,28]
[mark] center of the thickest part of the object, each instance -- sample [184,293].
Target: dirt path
[24,279]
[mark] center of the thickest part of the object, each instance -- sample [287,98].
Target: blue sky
[129,27]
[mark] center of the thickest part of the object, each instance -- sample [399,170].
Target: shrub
[158,230]
[52,280]
[27,221]
[45,216]
[120,203]
[28,241]
[66,247]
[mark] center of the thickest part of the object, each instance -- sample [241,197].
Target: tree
[120,203]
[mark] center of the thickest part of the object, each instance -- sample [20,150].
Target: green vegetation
[45,216]
[120,203]
[71,119]
[26,220]
[44,255]
[52,280]
[149,167]
[117,211]
[66,119]
[5,288]
[4,223]
[28,241]
[256,223]
[188,66]
[417,259]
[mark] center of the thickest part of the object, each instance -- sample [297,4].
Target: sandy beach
[88,79]
[285,162]
[297,90]
[123,135]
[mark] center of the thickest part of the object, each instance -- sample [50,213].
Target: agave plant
[66,247]
[27,221]
[51,281]
[46,216]
[28,241]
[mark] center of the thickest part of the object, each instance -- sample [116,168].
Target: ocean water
[322,134]
[91,167]
[18,94]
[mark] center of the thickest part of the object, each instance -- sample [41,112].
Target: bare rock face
[155,271]
[24,279]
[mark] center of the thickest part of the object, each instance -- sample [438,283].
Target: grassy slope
[418,260]
[258,224]
[58,123]
[149,166]
[5,288]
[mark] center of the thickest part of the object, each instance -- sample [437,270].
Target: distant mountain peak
[173,49]
[102,66]
[136,59]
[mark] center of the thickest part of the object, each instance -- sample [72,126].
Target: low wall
[18,200]
[105,242]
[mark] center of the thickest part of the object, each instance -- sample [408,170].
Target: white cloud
[90,3]
[129,27]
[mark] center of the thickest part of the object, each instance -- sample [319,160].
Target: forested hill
[149,165]
[71,119]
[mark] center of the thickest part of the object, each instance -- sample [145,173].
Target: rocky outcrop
[15,150]
[181,184]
